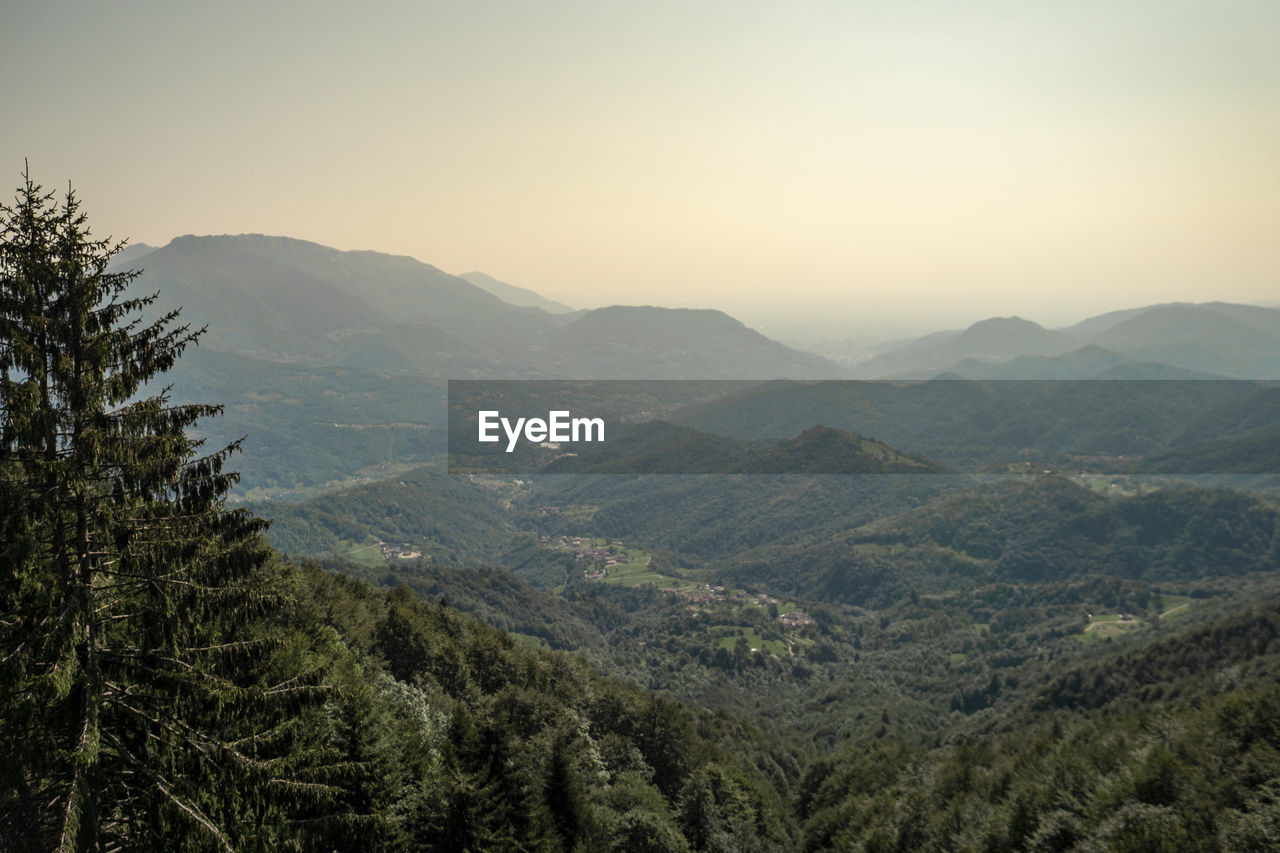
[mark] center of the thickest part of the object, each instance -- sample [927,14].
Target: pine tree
[131,598]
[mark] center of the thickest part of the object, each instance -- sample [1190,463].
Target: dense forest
[898,658]
[169,683]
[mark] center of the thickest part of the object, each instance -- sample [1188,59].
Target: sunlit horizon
[827,164]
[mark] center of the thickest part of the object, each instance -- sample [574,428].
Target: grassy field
[634,570]
[579,513]
[1173,606]
[727,637]
[1117,485]
[1103,626]
[633,566]
[636,573]
[529,640]
[368,554]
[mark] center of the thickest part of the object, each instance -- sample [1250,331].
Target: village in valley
[610,561]
[403,551]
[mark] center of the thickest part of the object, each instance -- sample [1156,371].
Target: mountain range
[334,363]
[287,300]
[1169,341]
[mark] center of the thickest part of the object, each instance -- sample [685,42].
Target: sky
[849,164]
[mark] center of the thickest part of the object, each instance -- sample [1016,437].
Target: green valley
[945,611]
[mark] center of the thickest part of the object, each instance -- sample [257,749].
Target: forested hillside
[167,682]
[886,655]
[953,648]
[1169,746]
[466,740]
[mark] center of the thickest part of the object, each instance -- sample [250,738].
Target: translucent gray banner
[941,426]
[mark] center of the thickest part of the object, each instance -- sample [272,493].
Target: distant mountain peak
[130,254]
[613,313]
[1008,326]
[683,342]
[1011,320]
[992,340]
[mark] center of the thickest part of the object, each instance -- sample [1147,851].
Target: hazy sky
[854,161]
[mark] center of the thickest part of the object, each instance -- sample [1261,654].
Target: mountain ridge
[514,295]
[1167,340]
[294,300]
